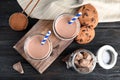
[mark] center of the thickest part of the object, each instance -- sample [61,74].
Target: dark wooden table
[106,33]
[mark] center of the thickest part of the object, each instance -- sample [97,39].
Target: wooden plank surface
[42,27]
[106,33]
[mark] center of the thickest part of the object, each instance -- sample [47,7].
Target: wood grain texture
[106,33]
[43,27]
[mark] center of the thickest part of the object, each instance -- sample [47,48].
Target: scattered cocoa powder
[18,21]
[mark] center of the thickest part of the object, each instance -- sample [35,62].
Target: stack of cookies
[89,21]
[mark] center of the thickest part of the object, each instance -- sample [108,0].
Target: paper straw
[75,18]
[46,37]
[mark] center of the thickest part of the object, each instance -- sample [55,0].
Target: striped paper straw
[75,18]
[46,37]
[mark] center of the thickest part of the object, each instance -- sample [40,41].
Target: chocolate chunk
[87,56]
[82,53]
[94,11]
[85,69]
[86,34]
[87,10]
[86,14]
[78,56]
[83,7]
[66,58]
[84,62]
[83,16]
[90,64]
[89,36]
[83,30]
[84,23]
[77,64]
[81,40]
[18,67]
[88,39]
[89,27]
[92,19]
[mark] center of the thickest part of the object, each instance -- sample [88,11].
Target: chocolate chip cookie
[89,16]
[85,35]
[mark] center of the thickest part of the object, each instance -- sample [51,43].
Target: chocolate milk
[34,48]
[64,30]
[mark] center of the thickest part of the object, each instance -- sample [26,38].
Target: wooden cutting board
[42,26]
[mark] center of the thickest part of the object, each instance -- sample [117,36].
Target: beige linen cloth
[108,10]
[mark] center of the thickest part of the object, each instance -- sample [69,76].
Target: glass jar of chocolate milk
[35,50]
[63,30]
